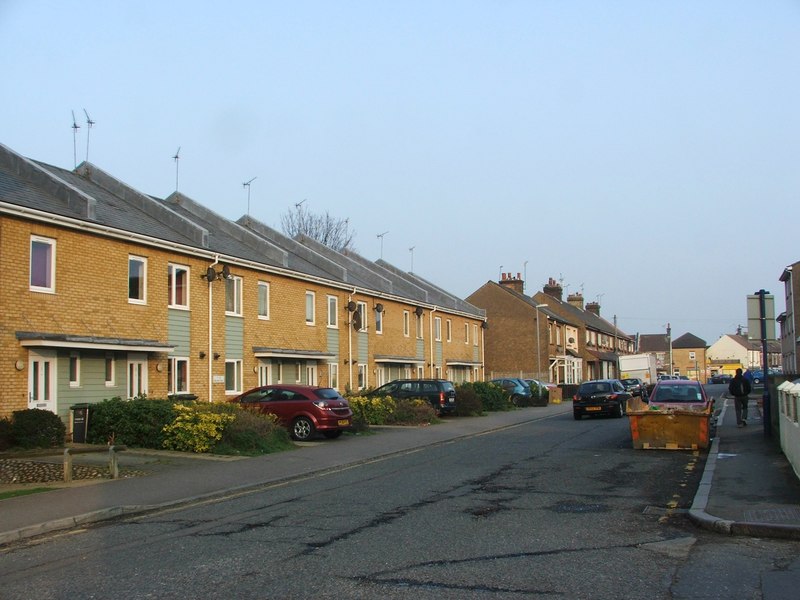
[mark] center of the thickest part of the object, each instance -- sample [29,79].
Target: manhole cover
[773,515]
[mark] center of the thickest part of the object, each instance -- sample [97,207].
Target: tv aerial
[247,185]
[89,124]
[380,235]
[75,128]
[176,158]
[299,204]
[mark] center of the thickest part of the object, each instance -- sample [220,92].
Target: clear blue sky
[646,153]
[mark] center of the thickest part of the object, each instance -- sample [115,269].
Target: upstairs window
[333,312]
[378,321]
[233,296]
[43,265]
[406,323]
[178,286]
[263,300]
[361,309]
[310,313]
[137,280]
[437,329]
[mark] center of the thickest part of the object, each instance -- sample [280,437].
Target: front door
[264,375]
[42,379]
[137,374]
[311,374]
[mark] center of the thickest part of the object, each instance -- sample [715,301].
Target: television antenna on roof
[75,128]
[89,124]
[412,257]
[299,204]
[176,158]
[380,235]
[247,185]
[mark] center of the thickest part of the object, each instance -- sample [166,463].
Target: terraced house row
[110,292]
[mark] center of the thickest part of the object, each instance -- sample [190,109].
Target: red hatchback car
[304,409]
[681,394]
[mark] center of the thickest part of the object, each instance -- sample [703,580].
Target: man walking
[739,388]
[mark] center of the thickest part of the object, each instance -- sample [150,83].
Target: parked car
[600,397]
[635,386]
[304,409]
[679,393]
[439,392]
[720,378]
[519,391]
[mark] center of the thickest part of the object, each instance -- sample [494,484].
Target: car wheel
[332,435]
[620,410]
[302,429]
[515,399]
[576,415]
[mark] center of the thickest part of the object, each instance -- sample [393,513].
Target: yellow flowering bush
[195,430]
[371,411]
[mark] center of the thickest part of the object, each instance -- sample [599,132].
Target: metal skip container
[670,429]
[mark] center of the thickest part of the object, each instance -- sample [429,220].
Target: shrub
[412,411]
[195,429]
[5,434]
[252,433]
[139,422]
[469,403]
[492,396]
[371,411]
[37,428]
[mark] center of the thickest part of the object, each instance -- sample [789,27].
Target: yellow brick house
[111,292]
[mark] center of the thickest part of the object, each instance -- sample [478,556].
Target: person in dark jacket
[739,388]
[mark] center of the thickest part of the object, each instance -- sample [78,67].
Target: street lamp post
[538,343]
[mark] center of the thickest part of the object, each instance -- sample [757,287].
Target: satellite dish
[351,306]
[379,307]
[211,274]
[418,311]
[226,272]
[485,325]
[357,320]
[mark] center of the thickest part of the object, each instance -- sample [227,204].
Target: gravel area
[14,471]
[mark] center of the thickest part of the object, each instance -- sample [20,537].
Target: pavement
[748,487]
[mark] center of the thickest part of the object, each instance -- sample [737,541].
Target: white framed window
[406,323]
[43,265]
[263,300]
[362,376]
[298,373]
[420,372]
[379,321]
[474,335]
[310,312]
[361,309]
[692,356]
[448,330]
[333,375]
[178,286]
[233,376]
[233,296]
[420,329]
[137,280]
[74,369]
[437,329]
[466,333]
[333,312]
[279,372]
[178,375]
[110,370]
[437,372]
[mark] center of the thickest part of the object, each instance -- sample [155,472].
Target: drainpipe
[350,344]
[430,326]
[210,331]
[483,353]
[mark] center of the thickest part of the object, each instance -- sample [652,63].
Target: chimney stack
[593,307]
[576,300]
[515,283]
[553,288]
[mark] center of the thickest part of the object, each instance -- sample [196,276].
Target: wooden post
[67,466]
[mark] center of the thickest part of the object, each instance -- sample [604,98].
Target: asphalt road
[555,508]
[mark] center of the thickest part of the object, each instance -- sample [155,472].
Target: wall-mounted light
[202,354]
[216,355]
[19,365]
[159,367]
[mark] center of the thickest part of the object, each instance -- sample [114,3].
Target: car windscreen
[327,393]
[678,393]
